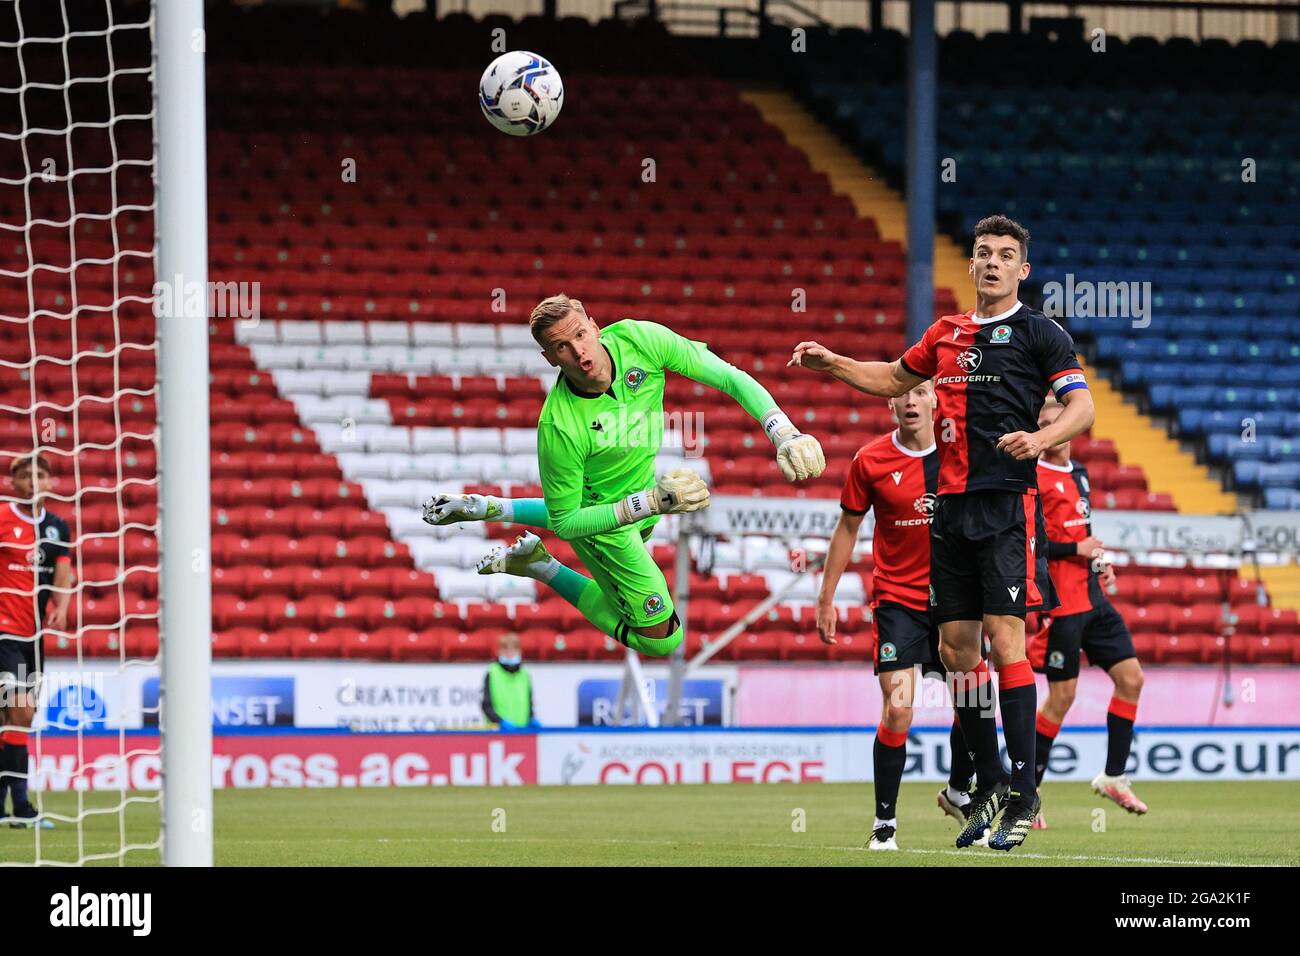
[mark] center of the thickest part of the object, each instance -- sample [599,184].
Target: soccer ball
[520,93]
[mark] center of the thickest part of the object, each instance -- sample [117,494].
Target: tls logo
[1056,660]
[634,378]
[1001,335]
[888,652]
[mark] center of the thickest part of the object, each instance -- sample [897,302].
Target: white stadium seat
[357,465]
[432,333]
[470,441]
[519,441]
[389,333]
[263,331]
[469,335]
[274,357]
[508,587]
[425,440]
[457,584]
[516,335]
[345,333]
[300,332]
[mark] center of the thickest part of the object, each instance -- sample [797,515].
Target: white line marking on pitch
[974,853]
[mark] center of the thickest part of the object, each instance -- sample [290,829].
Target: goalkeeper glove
[678,491]
[798,456]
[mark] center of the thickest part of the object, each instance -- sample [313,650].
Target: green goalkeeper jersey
[595,450]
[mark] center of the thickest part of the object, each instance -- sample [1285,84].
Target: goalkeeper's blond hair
[549,311]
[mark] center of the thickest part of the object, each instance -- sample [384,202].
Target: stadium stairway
[872,196]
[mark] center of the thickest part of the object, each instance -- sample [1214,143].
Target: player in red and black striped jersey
[1086,621]
[991,369]
[896,476]
[35,583]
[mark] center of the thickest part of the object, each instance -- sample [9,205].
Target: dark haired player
[991,369]
[896,476]
[1086,621]
[35,588]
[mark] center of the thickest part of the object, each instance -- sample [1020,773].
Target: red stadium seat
[276,643]
[1198,618]
[472,646]
[426,645]
[853,647]
[376,645]
[1178,649]
[231,643]
[1264,650]
[328,643]
[141,640]
[803,646]
[548,615]
[752,645]
[572,644]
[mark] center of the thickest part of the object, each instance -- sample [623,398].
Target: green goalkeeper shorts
[622,565]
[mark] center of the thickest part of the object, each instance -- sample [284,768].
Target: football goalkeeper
[597,439]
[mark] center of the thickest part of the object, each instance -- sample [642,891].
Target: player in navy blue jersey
[992,368]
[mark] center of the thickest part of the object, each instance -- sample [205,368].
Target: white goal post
[183,440]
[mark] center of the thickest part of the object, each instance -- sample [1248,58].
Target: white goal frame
[185,587]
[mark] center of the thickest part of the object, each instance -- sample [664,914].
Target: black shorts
[1100,633]
[905,637]
[988,555]
[23,659]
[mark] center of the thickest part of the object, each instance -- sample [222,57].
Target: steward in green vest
[507,689]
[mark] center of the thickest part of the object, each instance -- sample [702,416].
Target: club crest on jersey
[888,652]
[653,604]
[897,476]
[52,532]
[1083,480]
[969,360]
[924,504]
[634,378]
[1001,335]
[1056,659]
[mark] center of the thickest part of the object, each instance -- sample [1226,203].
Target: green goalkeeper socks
[529,511]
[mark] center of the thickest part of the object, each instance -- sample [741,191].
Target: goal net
[85,578]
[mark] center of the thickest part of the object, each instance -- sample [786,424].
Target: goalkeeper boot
[526,558]
[985,803]
[1017,820]
[444,509]
[1120,790]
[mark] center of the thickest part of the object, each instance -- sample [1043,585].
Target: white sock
[891,822]
[957,797]
[507,507]
[545,571]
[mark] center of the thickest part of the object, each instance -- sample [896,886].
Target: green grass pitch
[766,825]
